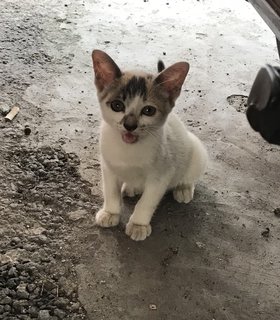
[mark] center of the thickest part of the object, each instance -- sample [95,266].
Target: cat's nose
[130,127]
[130,122]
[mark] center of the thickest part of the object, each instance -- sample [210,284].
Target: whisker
[151,133]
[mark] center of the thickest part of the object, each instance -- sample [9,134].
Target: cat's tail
[160,65]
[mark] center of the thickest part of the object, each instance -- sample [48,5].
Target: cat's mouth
[129,137]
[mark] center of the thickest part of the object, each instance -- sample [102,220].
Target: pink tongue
[129,137]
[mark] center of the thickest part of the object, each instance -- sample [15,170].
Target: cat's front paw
[138,232]
[106,219]
[183,193]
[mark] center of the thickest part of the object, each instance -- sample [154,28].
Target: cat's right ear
[105,69]
[170,80]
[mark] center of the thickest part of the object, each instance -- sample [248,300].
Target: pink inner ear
[105,69]
[172,78]
[104,76]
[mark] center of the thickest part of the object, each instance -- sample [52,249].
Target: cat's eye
[149,111]
[117,106]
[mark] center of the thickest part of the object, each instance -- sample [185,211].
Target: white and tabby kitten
[145,148]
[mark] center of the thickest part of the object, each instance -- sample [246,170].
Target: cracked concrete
[205,260]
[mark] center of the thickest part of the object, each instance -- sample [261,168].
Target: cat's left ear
[172,79]
[105,69]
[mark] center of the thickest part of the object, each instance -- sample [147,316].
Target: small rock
[77,215]
[277,212]
[13,272]
[22,293]
[75,306]
[37,231]
[20,305]
[33,311]
[44,315]
[174,250]
[4,109]
[59,313]
[12,283]
[152,306]
[15,241]
[6,300]
[61,302]
[41,239]
[30,287]
[12,293]
[7,308]
[200,245]
[49,285]
[266,233]
[29,247]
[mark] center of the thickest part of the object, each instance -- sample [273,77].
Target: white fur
[171,158]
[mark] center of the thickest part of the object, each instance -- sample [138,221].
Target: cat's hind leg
[130,191]
[184,188]
[184,192]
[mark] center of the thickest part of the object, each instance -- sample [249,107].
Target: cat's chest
[128,164]
[119,154]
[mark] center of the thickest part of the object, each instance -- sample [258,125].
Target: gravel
[45,195]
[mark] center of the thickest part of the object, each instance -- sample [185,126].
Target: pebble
[13,272]
[33,311]
[200,245]
[6,300]
[77,215]
[59,313]
[41,239]
[61,302]
[15,240]
[12,283]
[44,315]
[152,306]
[75,306]
[4,109]
[31,287]
[266,233]
[277,212]
[22,293]
[20,305]
[7,308]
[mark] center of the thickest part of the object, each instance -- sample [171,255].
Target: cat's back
[176,130]
[181,141]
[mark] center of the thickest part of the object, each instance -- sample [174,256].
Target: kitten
[145,148]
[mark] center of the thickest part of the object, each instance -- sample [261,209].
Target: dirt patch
[42,195]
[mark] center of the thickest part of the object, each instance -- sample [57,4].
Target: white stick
[14,111]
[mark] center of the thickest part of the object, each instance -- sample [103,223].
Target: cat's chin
[129,137]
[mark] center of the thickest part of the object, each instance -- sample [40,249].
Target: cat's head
[136,103]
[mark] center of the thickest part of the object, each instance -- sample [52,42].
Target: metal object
[263,111]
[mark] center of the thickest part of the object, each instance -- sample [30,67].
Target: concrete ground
[215,258]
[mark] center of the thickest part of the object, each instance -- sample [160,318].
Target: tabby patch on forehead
[136,86]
